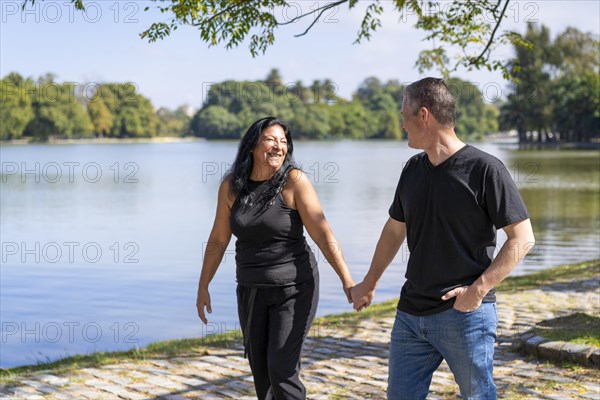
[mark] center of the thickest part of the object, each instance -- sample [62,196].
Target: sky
[103,45]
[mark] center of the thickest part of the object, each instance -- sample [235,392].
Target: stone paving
[346,363]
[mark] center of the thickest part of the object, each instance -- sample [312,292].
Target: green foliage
[317,112]
[131,113]
[101,117]
[173,123]
[216,122]
[556,89]
[576,100]
[117,110]
[469,26]
[16,110]
[57,112]
[474,118]
[44,109]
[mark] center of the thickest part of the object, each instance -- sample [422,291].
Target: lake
[102,244]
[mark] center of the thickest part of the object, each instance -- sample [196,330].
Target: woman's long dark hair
[239,174]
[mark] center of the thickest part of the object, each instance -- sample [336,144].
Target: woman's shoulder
[296,175]
[226,183]
[225,190]
[297,179]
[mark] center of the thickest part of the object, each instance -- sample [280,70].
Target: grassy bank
[567,272]
[346,321]
[577,328]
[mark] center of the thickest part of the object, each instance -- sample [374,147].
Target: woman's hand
[202,301]
[347,287]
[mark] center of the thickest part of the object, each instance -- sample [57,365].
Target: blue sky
[103,45]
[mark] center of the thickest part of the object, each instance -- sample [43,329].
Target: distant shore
[508,140]
[159,139]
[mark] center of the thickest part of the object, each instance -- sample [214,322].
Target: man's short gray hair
[434,95]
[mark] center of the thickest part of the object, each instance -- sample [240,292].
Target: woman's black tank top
[271,249]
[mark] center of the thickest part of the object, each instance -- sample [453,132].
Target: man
[449,202]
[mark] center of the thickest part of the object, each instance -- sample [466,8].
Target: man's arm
[520,241]
[392,236]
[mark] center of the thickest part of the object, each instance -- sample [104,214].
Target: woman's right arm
[215,248]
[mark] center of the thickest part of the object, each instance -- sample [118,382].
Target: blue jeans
[420,343]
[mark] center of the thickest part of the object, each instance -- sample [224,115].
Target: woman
[265,201]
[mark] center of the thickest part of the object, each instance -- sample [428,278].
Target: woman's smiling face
[270,151]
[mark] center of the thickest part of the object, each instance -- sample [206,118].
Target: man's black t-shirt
[451,213]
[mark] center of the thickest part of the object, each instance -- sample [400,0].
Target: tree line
[43,108]
[555,97]
[316,112]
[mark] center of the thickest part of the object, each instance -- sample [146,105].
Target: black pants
[279,321]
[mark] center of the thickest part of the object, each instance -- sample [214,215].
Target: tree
[382,103]
[173,122]
[577,106]
[312,121]
[101,117]
[356,125]
[57,112]
[132,114]
[531,70]
[474,118]
[301,91]
[471,26]
[555,91]
[16,111]
[216,122]
[577,52]
[274,81]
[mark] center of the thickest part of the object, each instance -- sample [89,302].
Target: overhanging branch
[321,9]
[489,43]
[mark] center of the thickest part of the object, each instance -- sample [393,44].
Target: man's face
[410,123]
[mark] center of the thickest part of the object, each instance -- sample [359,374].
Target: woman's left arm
[307,203]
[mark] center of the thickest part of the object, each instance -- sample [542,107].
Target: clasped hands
[361,296]
[467,298]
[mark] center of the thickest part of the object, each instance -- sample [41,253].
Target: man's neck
[443,148]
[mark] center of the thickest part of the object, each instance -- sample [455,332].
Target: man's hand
[467,298]
[362,296]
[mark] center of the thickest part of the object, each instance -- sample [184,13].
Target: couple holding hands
[449,201]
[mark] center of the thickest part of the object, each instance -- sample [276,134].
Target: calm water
[102,244]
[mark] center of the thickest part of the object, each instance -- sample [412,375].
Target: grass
[349,320]
[173,348]
[163,349]
[577,328]
[584,270]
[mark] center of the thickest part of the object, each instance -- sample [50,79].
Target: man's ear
[424,115]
